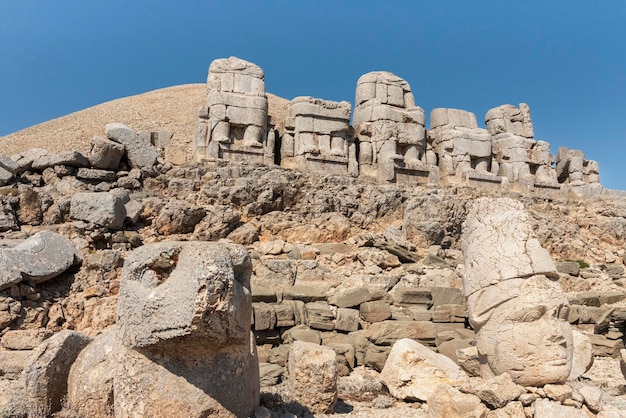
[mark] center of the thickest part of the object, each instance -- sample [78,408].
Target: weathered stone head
[184,312]
[518,312]
[171,290]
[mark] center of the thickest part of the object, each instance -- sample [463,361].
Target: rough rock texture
[47,370]
[413,371]
[184,315]
[105,209]
[141,153]
[313,376]
[90,381]
[446,401]
[518,313]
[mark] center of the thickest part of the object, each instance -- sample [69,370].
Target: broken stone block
[141,153]
[41,257]
[548,408]
[313,376]
[320,315]
[582,359]
[12,363]
[498,391]
[47,370]
[413,371]
[349,298]
[26,339]
[446,401]
[347,320]
[105,209]
[105,154]
[264,316]
[68,158]
[375,311]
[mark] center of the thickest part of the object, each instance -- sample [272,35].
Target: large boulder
[103,208]
[184,312]
[413,371]
[41,257]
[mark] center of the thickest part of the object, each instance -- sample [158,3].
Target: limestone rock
[413,371]
[178,217]
[69,158]
[140,153]
[582,359]
[47,370]
[548,408]
[448,402]
[12,363]
[498,391]
[41,257]
[184,312]
[313,376]
[592,396]
[105,154]
[24,339]
[105,209]
[90,381]
[270,374]
[510,410]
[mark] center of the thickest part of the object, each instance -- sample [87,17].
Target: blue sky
[566,59]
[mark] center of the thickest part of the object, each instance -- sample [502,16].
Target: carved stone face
[528,335]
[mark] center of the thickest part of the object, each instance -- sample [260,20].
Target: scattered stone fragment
[498,391]
[140,153]
[105,209]
[42,257]
[413,371]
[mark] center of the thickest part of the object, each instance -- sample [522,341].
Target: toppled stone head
[180,289]
[518,312]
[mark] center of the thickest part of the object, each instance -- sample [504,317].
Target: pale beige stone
[413,371]
[518,313]
[448,402]
[582,357]
[313,376]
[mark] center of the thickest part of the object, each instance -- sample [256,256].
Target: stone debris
[413,371]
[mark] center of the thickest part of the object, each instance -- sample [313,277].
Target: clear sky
[565,58]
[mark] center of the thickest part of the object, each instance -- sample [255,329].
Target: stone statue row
[388,139]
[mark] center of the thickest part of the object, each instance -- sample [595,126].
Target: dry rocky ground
[308,232]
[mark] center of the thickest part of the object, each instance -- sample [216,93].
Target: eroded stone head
[518,312]
[170,290]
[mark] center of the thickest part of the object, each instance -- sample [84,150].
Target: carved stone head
[518,311]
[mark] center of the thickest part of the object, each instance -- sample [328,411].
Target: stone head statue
[518,311]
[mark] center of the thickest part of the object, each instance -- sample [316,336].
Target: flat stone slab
[41,257]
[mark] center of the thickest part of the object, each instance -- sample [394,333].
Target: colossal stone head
[518,312]
[173,290]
